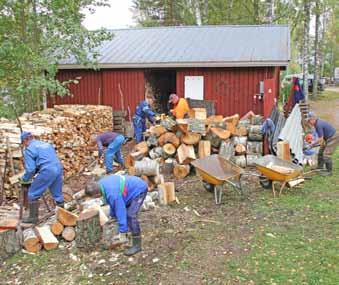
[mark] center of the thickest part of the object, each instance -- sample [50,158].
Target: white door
[194,87]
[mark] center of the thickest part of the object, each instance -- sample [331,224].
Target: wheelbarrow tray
[262,166]
[215,169]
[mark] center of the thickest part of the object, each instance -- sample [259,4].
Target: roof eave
[178,65]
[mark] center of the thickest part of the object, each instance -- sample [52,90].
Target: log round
[146,167]
[168,150]
[240,149]
[68,233]
[57,228]
[31,241]
[191,138]
[181,171]
[169,138]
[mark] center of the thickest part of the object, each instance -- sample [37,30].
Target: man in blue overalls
[113,143]
[41,159]
[143,112]
[125,196]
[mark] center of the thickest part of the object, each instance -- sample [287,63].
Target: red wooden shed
[237,67]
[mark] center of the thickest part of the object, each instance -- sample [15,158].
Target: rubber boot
[136,246]
[321,163]
[60,204]
[33,216]
[329,167]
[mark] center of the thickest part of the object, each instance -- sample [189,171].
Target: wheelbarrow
[275,170]
[216,172]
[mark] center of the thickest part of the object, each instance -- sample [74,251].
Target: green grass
[326,96]
[298,242]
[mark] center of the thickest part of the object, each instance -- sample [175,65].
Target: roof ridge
[198,27]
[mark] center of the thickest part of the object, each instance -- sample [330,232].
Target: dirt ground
[193,242]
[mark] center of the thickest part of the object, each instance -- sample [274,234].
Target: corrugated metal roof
[194,46]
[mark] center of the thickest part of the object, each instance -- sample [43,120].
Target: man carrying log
[125,196]
[41,159]
[113,143]
[328,140]
[144,111]
[180,106]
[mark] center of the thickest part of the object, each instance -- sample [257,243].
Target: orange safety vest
[181,109]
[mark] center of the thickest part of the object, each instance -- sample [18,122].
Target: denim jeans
[132,213]
[114,151]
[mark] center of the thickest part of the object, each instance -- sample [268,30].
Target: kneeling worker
[180,106]
[125,195]
[113,142]
[40,157]
[328,140]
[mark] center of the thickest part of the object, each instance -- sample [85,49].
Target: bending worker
[113,143]
[125,195]
[180,106]
[143,111]
[328,140]
[40,157]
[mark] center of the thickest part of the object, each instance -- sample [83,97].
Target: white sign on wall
[194,87]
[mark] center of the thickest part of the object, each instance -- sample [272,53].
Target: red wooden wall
[102,87]
[232,89]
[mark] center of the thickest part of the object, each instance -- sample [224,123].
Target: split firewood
[31,241]
[68,233]
[168,123]
[196,126]
[216,135]
[198,113]
[129,161]
[46,237]
[150,184]
[185,154]
[232,119]
[88,230]
[181,171]
[204,149]
[168,150]
[158,179]
[240,149]
[65,217]
[152,141]
[167,167]
[255,133]
[157,130]
[214,119]
[240,131]
[191,138]
[168,138]
[166,193]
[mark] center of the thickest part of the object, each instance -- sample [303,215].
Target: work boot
[136,246]
[60,204]
[321,163]
[33,216]
[329,167]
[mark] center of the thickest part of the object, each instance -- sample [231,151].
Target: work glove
[120,238]
[25,183]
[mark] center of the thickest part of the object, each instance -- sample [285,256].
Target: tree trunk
[88,230]
[146,167]
[306,49]
[168,138]
[316,49]
[9,243]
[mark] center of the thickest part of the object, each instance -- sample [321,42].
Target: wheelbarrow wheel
[265,183]
[208,187]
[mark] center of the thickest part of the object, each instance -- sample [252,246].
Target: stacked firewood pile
[173,144]
[67,127]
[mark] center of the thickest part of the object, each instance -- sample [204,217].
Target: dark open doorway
[160,84]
